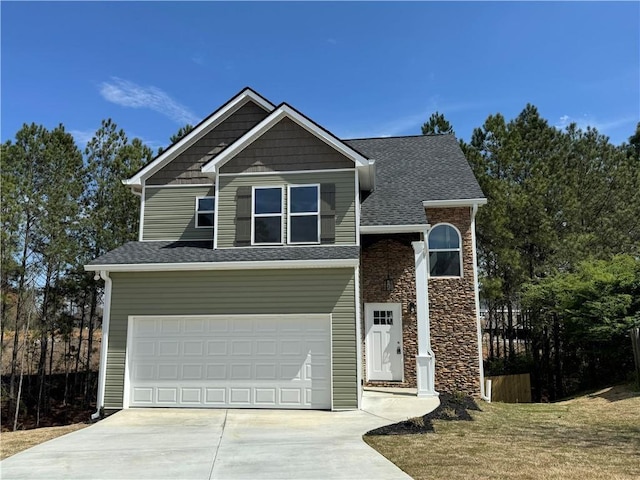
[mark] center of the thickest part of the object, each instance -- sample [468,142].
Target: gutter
[486,396]
[244,265]
[102,373]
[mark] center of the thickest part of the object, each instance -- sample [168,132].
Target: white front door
[383,323]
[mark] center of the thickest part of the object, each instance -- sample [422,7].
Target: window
[445,254]
[383,317]
[267,215]
[205,206]
[304,214]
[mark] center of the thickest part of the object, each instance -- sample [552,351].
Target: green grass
[594,436]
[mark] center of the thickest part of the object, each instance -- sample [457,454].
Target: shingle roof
[410,170]
[191,252]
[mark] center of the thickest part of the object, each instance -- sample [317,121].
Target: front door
[383,323]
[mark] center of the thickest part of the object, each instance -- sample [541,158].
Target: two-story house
[279,266]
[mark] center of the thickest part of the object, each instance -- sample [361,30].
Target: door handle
[398,349]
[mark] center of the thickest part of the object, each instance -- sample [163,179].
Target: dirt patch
[452,407]
[15,442]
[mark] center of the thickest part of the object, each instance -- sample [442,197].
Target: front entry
[383,342]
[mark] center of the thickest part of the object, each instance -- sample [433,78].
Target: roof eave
[244,265]
[457,202]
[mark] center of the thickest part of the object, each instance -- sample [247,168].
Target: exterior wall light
[412,307]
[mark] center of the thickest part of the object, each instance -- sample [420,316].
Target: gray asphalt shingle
[410,170]
[193,252]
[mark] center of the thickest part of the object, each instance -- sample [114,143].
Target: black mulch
[452,407]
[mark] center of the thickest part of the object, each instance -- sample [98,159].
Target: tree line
[61,207]
[558,249]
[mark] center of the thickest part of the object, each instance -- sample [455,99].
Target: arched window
[445,252]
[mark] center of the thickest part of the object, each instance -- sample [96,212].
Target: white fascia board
[458,202]
[268,265]
[380,229]
[278,114]
[192,137]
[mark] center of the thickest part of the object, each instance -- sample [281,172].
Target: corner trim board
[106,314]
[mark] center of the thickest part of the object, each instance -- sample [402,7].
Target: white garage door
[259,361]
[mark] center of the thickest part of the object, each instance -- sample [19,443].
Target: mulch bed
[452,407]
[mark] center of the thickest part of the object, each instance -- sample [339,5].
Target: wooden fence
[635,343]
[510,388]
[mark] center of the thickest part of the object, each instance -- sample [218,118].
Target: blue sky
[359,69]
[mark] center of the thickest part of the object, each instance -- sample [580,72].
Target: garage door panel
[235,362]
[170,327]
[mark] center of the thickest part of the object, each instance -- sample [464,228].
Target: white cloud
[603,126]
[82,137]
[411,123]
[129,94]
[198,59]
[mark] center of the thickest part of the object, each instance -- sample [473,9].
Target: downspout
[483,394]
[102,373]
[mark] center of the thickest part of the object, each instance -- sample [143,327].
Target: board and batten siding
[170,213]
[303,291]
[345,201]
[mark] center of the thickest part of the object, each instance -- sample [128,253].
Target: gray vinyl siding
[186,167]
[284,147]
[170,213]
[345,201]
[303,291]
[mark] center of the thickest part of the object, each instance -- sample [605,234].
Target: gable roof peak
[244,96]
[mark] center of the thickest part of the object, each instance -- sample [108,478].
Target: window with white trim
[205,208]
[267,216]
[303,214]
[445,252]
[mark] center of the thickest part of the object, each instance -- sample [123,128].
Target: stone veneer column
[452,312]
[425,361]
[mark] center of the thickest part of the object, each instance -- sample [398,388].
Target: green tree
[436,125]
[112,211]
[176,137]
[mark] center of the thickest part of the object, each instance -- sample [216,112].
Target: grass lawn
[15,442]
[594,436]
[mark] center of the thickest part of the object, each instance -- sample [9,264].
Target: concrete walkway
[219,444]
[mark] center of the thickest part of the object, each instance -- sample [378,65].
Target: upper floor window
[445,252]
[205,207]
[267,215]
[304,214]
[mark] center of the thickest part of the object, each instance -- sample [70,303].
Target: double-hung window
[267,215]
[303,214]
[445,254]
[205,207]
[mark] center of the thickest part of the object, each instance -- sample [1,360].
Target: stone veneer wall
[452,314]
[393,255]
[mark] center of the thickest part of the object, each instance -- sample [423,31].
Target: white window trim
[302,214]
[255,215]
[459,249]
[205,211]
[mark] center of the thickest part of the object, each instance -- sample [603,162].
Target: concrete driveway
[206,444]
